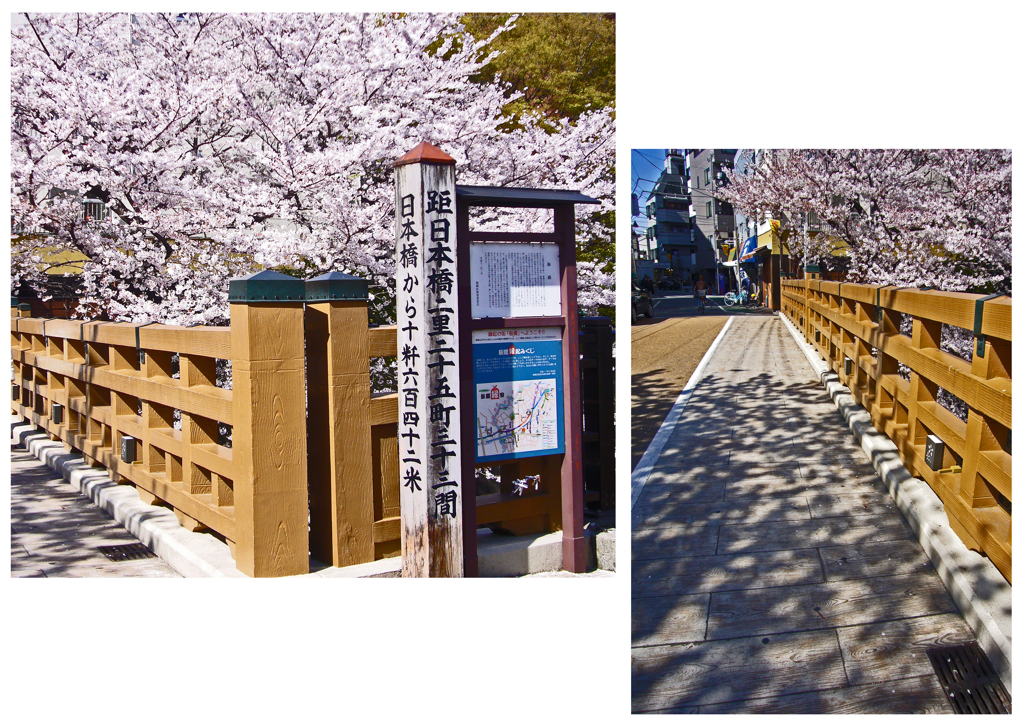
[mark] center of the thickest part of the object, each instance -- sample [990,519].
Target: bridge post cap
[267,287]
[24,307]
[425,153]
[813,268]
[337,286]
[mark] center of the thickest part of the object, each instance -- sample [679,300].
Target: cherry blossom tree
[939,218]
[222,144]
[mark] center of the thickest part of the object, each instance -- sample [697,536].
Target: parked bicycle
[741,299]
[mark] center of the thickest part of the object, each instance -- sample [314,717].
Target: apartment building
[713,221]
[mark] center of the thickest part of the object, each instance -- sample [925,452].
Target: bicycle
[743,299]
[702,295]
[735,299]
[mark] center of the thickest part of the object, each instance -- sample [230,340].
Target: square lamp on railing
[15,392]
[127,449]
[934,449]
[847,366]
[817,336]
[57,413]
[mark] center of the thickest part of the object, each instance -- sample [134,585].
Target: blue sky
[646,165]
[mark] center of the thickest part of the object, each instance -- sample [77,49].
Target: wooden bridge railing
[597,392]
[309,440]
[856,330]
[95,385]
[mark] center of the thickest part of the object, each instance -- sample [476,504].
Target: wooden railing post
[983,433]
[927,334]
[338,423]
[269,434]
[888,325]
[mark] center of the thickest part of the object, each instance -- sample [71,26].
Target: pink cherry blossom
[227,143]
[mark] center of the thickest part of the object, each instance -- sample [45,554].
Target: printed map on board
[516,417]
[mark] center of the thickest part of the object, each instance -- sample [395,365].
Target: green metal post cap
[25,307]
[266,287]
[337,286]
[14,301]
[813,268]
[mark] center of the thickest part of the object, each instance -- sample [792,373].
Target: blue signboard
[517,386]
[749,249]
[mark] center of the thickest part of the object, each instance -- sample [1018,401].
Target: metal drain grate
[971,684]
[130,552]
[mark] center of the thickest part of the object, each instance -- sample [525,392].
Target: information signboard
[515,280]
[517,381]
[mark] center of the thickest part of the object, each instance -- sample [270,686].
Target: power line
[650,161]
[637,152]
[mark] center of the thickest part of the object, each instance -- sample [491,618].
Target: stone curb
[972,580]
[199,555]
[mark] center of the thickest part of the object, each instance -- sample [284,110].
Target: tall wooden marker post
[429,413]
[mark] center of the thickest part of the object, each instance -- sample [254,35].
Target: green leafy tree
[556,65]
[561,63]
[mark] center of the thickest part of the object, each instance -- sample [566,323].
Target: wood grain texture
[340,456]
[700,539]
[761,612]
[383,341]
[787,535]
[742,510]
[897,649]
[725,572]
[665,677]
[867,559]
[203,400]
[917,695]
[670,619]
[269,439]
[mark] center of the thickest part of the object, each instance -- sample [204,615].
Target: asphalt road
[665,351]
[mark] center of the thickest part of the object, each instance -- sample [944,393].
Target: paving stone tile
[669,619]
[830,506]
[788,535]
[798,486]
[699,539]
[825,605]
[897,649]
[666,677]
[701,574]
[917,695]
[740,510]
[696,491]
[887,558]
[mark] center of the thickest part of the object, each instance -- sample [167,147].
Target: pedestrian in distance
[701,288]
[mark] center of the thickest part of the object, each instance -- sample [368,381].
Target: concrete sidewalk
[772,570]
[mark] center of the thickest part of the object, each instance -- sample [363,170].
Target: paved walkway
[56,532]
[772,572]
